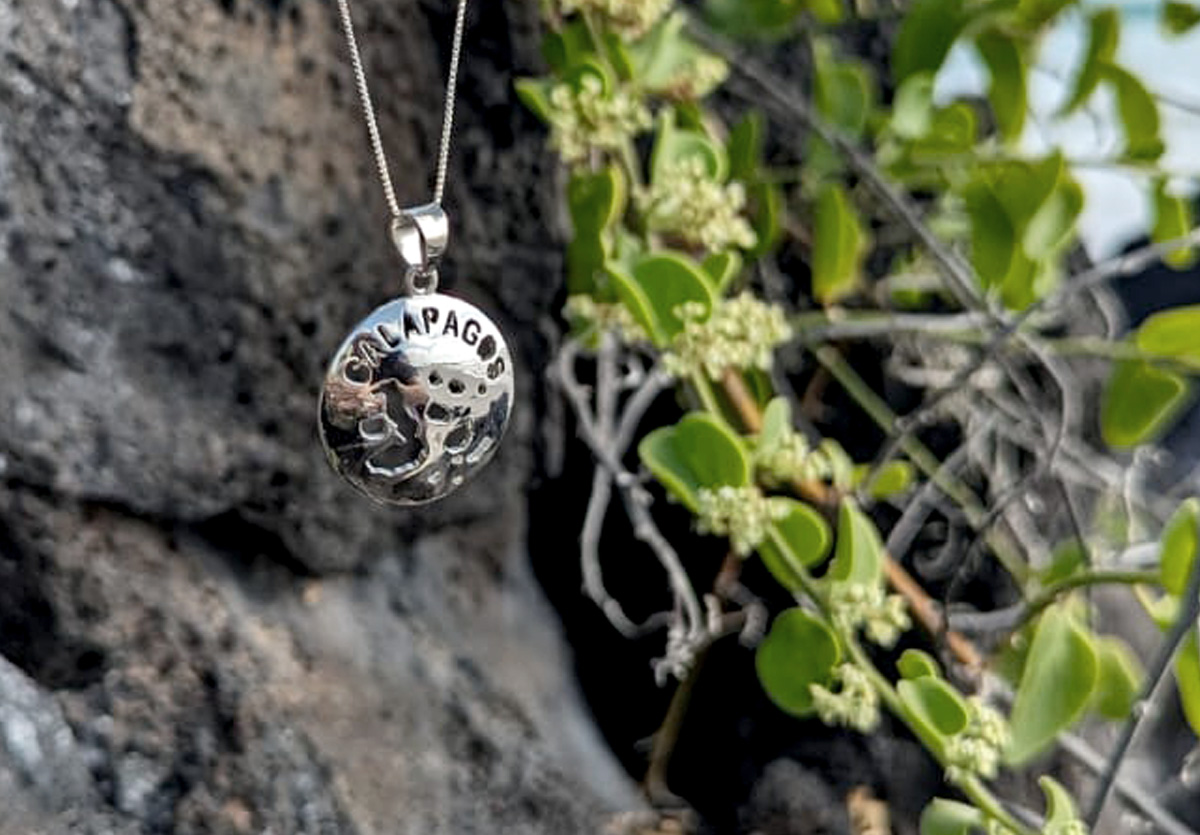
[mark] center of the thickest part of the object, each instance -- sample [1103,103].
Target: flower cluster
[629,18]
[854,705]
[594,318]
[976,751]
[686,203]
[743,514]
[789,457]
[884,618]
[742,332]
[784,458]
[587,119]
[696,79]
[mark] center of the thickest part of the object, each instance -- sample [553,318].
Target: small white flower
[785,458]
[883,618]
[977,750]
[685,202]
[855,704]
[743,514]
[629,18]
[586,120]
[595,318]
[742,332]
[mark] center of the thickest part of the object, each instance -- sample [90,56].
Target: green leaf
[699,451]
[844,90]
[1060,807]
[631,294]
[993,236]
[534,93]
[675,144]
[1173,218]
[955,130]
[1138,112]
[1006,65]
[934,706]
[839,244]
[826,11]
[844,93]
[1163,609]
[568,47]
[776,421]
[1119,679]
[1104,32]
[723,268]
[1037,13]
[1139,403]
[1027,281]
[804,534]
[1173,333]
[1052,226]
[1178,552]
[757,19]
[859,555]
[766,209]
[1187,677]
[781,567]
[670,280]
[892,479]
[1056,685]
[745,147]
[912,107]
[665,59]
[1179,18]
[798,652]
[1024,187]
[596,201]
[949,817]
[915,663]
[928,30]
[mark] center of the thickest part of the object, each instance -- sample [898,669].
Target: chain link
[364,94]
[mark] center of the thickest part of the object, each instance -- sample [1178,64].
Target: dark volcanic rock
[201,629]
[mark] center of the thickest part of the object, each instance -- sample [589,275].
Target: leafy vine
[926,223]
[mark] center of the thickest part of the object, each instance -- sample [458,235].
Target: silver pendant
[418,396]
[416,399]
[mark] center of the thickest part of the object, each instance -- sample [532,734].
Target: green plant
[924,223]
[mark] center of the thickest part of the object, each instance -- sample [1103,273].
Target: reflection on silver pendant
[416,399]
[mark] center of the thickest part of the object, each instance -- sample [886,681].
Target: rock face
[201,629]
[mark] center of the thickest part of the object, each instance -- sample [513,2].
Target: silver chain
[364,94]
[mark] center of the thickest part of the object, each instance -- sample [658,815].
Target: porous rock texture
[201,629]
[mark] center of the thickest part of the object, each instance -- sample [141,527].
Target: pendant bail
[421,235]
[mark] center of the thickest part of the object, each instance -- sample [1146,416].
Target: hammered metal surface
[416,399]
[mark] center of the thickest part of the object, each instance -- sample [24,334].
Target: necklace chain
[364,94]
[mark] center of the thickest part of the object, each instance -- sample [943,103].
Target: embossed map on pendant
[416,399]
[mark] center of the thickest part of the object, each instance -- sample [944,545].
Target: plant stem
[820,327]
[1052,592]
[885,418]
[708,397]
[667,736]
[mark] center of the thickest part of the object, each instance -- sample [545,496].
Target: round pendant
[416,399]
